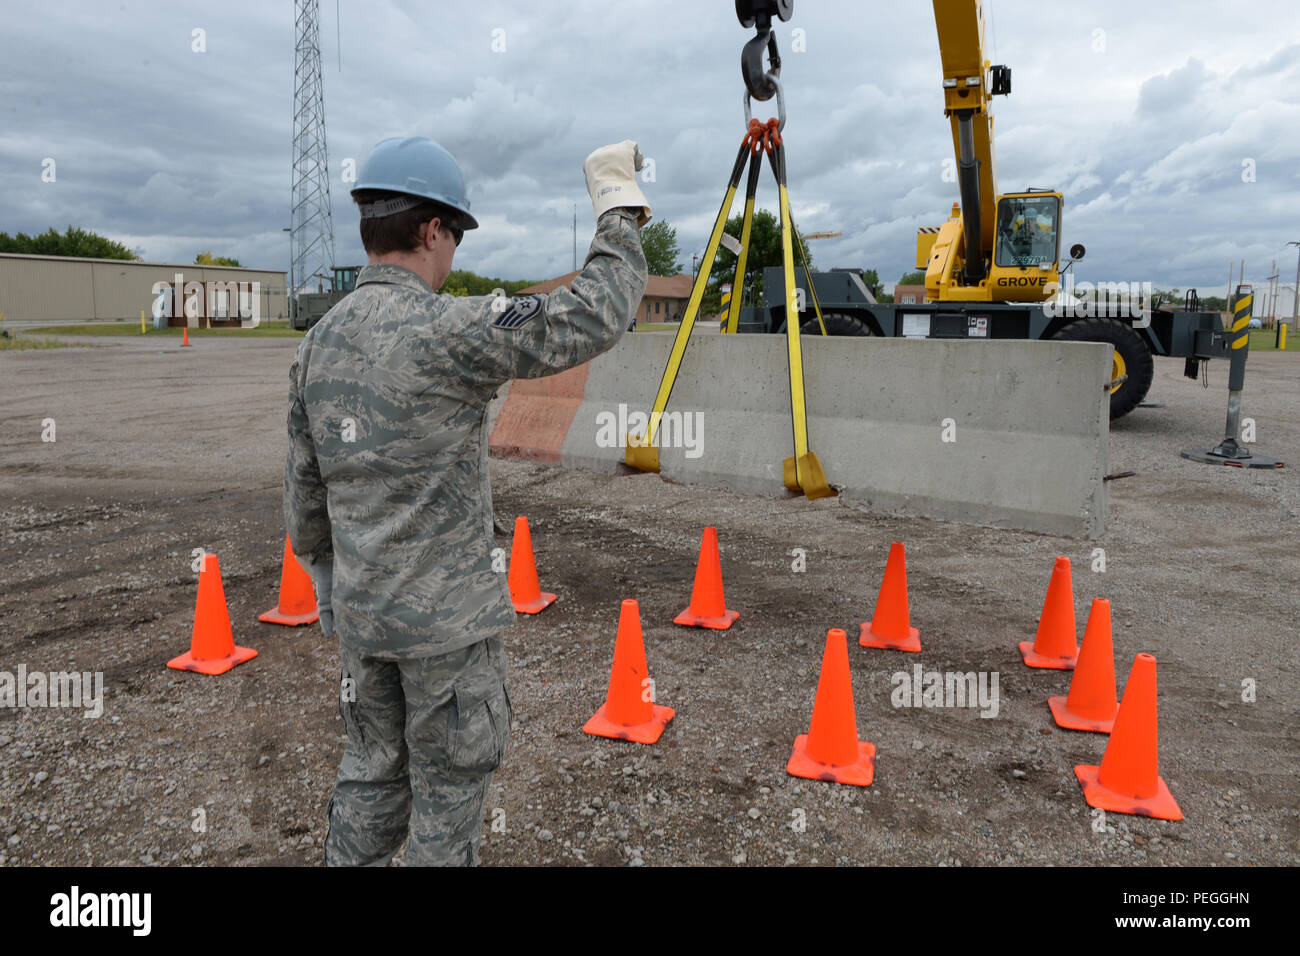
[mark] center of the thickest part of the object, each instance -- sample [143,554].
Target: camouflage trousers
[424,736]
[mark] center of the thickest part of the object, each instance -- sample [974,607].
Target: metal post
[288,292]
[1295,308]
[1279,328]
[1239,345]
[1242,306]
[1272,295]
[1229,451]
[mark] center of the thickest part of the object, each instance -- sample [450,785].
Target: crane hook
[760,82]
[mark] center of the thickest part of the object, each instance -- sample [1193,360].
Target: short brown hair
[399,232]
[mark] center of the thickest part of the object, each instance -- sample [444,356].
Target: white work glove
[611,179]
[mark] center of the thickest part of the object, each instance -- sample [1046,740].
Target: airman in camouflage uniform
[387,498]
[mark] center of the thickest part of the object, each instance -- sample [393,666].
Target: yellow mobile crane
[992,271]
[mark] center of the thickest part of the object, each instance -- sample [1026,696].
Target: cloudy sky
[1148,116]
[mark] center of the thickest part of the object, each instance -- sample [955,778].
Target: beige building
[50,289]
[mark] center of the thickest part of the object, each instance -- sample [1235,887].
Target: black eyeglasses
[457,233]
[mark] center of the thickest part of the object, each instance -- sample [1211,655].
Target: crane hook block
[761,12]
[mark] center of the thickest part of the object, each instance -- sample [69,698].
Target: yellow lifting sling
[802,471]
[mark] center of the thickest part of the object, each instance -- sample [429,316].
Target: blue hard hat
[417,166]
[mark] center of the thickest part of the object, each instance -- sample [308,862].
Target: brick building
[909,294]
[664,300]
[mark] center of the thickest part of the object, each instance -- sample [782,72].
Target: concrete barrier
[1003,433]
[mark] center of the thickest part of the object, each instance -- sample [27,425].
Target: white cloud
[177,151]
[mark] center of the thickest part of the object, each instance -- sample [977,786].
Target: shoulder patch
[520,311]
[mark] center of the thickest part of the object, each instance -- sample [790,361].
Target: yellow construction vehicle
[993,270]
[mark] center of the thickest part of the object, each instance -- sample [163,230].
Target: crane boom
[995,248]
[968,88]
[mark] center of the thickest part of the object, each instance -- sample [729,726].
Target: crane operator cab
[1024,230]
[1027,231]
[1026,248]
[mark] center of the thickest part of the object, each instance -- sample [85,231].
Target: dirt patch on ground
[159,452]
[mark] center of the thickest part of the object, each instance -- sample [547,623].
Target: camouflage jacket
[386,494]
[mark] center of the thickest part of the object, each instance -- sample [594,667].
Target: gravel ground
[160,451]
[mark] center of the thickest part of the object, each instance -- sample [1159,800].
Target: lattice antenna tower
[311,238]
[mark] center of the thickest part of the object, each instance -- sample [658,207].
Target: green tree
[764,251]
[912,278]
[659,240]
[208,259]
[464,282]
[872,281]
[75,242]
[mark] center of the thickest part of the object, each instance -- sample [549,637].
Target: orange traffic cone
[629,711]
[1128,779]
[297,604]
[1055,646]
[212,646]
[185,336]
[708,607]
[889,627]
[525,591]
[1091,704]
[831,749]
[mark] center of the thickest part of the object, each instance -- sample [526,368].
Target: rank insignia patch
[520,311]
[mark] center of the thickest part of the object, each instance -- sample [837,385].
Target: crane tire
[1131,358]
